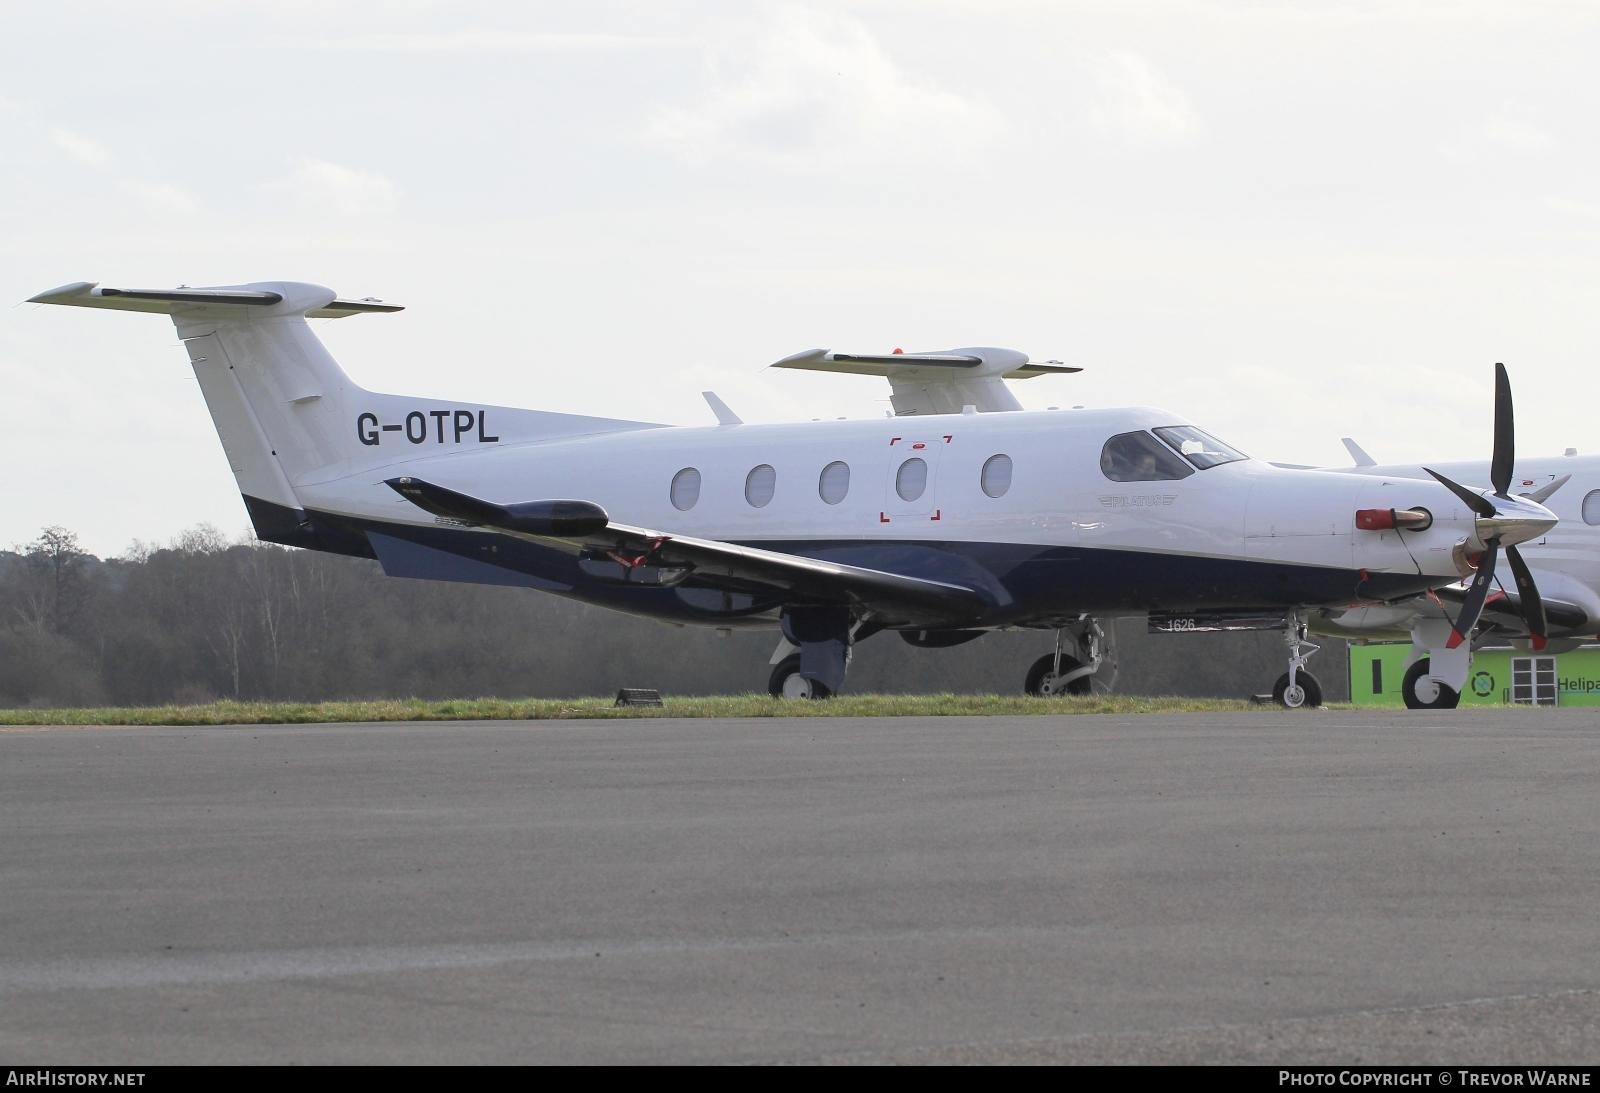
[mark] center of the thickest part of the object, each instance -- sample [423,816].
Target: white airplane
[940,523]
[1563,564]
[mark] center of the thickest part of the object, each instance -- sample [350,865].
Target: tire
[787,682]
[1041,681]
[1307,693]
[1422,693]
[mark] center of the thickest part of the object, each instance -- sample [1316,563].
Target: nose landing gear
[1297,689]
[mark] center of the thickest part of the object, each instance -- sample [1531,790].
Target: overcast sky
[1287,222]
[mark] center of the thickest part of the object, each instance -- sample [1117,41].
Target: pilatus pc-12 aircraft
[941,522]
[1564,566]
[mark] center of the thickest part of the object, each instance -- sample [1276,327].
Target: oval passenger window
[1591,507]
[759,484]
[911,479]
[834,482]
[996,476]
[685,489]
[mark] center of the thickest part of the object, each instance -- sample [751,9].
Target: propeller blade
[1474,501]
[1472,605]
[1547,491]
[1532,605]
[1505,434]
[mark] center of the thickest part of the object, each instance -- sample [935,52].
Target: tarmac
[1317,887]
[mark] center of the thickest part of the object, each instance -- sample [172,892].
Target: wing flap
[714,563]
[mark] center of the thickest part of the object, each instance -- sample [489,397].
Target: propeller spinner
[1502,522]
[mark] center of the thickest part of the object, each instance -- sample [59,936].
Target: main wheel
[787,682]
[1422,693]
[1043,682]
[1306,694]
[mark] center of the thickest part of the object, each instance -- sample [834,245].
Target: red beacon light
[1389,519]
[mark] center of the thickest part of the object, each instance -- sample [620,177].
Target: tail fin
[287,414]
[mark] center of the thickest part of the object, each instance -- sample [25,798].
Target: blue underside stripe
[1027,583]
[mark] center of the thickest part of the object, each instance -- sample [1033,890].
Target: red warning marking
[936,513]
[917,447]
[895,441]
[883,518]
[948,438]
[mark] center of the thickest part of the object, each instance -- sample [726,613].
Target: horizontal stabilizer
[559,519]
[1006,363]
[944,382]
[165,301]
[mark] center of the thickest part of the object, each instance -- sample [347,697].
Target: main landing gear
[1064,673]
[1297,689]
[787,682]
[824,635]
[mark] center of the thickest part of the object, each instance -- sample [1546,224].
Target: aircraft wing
[1504,610]
[585,529]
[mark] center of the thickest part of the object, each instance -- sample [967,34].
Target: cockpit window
[1201,449]
[1138,457]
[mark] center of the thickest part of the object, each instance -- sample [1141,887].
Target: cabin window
[1201,449]
[996,475]
[1140,457]
[834,482]
[685,489]
[911,479]
[1591,507]
[759,484]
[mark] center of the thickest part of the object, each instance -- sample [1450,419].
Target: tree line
[206,617]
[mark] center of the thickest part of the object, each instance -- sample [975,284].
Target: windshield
[1201,449]
[1137,457]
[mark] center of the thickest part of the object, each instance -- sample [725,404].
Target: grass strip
[540,709]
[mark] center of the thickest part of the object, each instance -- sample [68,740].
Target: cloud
[89,152]
[1135,104]
[809,83]
[478,40]
[1502,132]
[332,187]
[155,195]
[1586,209]
[161,197]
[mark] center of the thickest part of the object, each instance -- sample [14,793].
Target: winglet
[725,416]
[1361,458]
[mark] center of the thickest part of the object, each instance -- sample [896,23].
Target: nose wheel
[1304,693]
[1297,689]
